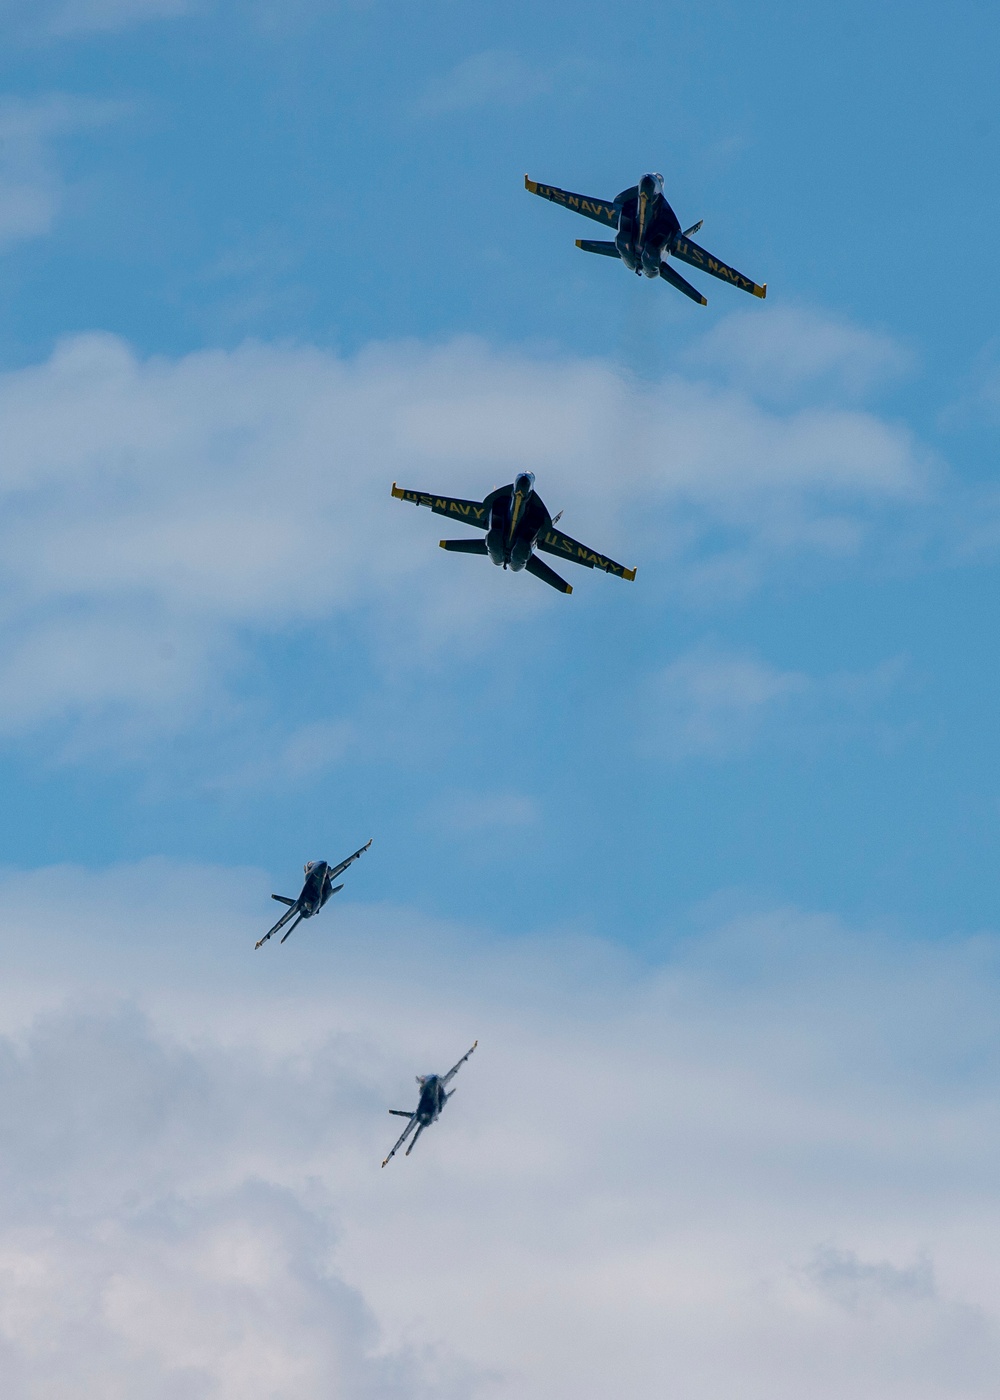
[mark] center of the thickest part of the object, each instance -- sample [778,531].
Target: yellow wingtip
[760,291]
[531,185]
[629,574]
[396,492]
[443,544]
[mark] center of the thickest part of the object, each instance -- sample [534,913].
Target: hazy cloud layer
[496,78]
[31,186]
[760,1166]
[159,515]
[714,703]
[51,19]
[794,351]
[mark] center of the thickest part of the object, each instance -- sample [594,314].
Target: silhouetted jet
[315,892]
[433,1097]
[516,523]
[647,233]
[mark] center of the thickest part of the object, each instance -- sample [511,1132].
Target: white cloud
[31,187]
[763,1166]
[790,350]
[714,703]
[158,516]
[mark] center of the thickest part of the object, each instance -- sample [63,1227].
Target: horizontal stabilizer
[465,546]
[600,209]
[469,512]
[695,256]
[540,570]
[595,245]
[283,899]
[336,889]
[681,283]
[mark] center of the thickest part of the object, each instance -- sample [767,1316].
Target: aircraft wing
[691,253]
[469,512]
[447,1078]
[294,905]
[403,1135]
[339,869]
[600,209]
[564,547]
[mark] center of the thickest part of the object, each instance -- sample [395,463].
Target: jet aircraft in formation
[517,523]
[315,892]
[433,1097]
[647,233]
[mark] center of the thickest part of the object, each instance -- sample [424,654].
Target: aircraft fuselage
[646,225]
[517,518]
[316,890]
[433,1097]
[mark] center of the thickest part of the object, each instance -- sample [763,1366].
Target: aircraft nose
[647,185]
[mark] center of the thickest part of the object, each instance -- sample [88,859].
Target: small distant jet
[647,233]
[315,892]
[433,1097]
[516,523]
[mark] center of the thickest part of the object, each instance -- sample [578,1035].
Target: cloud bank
[160,516]
[760,1164]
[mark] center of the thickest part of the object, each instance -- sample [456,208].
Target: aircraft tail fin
[693,229]
[283,899]
[682,284]
[547,575]
[401,1112]
[465,546]
[336,888]
[596,245]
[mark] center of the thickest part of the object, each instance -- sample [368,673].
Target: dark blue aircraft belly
[431,1099]
[311,898]
[514,552]
[645,256]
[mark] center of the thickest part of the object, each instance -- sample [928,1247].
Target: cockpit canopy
[525,482]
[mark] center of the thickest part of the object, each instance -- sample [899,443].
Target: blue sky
[261,260]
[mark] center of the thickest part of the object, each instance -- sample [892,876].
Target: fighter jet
[315,892]
[516,523]
[647,232]
[433,1097]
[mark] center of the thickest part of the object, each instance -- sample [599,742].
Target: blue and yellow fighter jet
[647,232]
[433,1097]
[516,523]
[315,892]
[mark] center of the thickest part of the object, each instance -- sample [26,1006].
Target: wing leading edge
[339,869]
[600,209]
[565,547]
[469,512]
[447,1078]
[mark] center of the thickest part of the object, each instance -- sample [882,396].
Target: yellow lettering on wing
[573,202]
